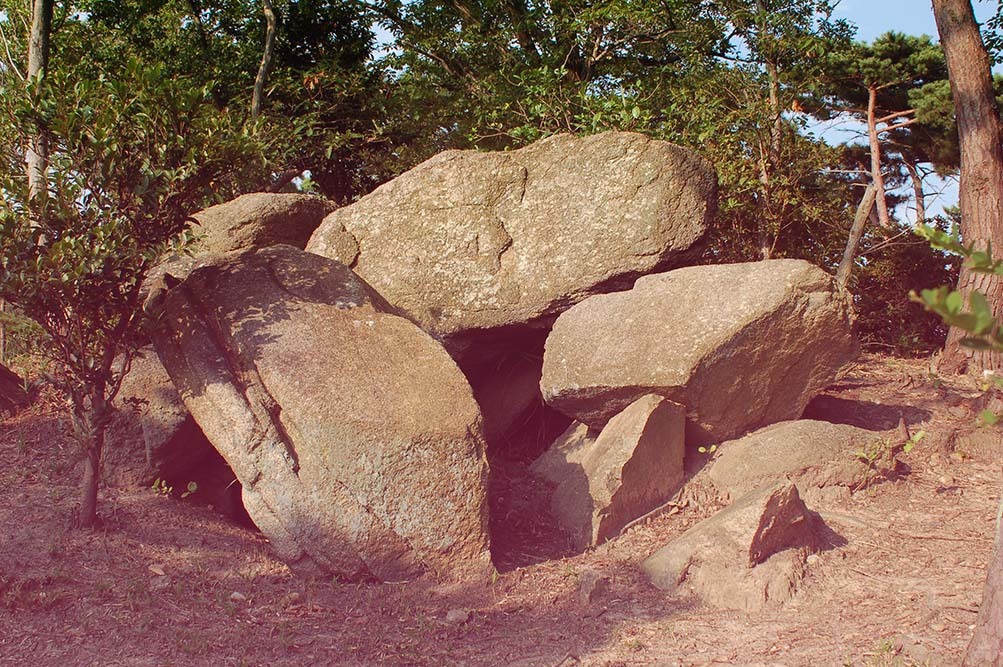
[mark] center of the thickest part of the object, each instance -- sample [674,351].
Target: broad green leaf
[953,302]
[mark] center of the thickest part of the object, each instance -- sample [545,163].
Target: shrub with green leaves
[130,158]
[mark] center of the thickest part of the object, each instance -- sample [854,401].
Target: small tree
[129,158]
[881,84]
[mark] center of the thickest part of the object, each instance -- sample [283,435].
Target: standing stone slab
[633,466]
[355,436]
[173,442]
[740,345]
[564,457]
[470,241]
[152,435]
[748,556]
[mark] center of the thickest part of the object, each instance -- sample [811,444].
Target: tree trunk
[856,231]
[875,144]
[91,419]
[37,153]
[981,187]
[986,647]
[87,513]
[266,60]
[763,231]
[770,156]
[917,190]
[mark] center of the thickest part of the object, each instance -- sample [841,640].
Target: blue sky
[914,17]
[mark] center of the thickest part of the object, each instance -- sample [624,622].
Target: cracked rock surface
[470,241]
[354,435]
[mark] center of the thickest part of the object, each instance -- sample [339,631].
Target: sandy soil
[170,582]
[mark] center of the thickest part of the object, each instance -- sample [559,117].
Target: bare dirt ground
[169,582]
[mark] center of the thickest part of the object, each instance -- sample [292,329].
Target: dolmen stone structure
[355,388]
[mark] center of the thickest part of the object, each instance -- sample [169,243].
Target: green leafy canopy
[130,158]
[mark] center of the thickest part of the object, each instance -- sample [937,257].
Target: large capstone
[469,243]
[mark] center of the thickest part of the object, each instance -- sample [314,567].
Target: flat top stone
[472,240]
[260,219]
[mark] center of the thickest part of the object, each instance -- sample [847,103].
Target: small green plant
[881,453]
[887,654]
[935,380]
[879,457]
[161,487]
[913,440]
[634,644]
[22,444]
[872,454]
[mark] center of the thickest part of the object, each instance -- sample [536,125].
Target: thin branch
[898,126]
[10,59]
[887,242]
[893,116]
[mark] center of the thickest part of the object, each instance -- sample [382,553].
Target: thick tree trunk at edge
[981,196]
[986,647]
[981,192]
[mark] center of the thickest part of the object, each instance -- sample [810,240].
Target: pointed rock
[750,555]
[633,466]
[564,457]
